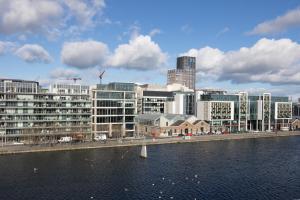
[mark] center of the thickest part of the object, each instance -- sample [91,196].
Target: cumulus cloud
[47,16]
[33,53]
[28,15]
[279,24]
[84,54]
[63,73]
[85,11]
[267,61]
[141,53]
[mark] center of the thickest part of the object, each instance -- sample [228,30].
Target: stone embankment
[15,149]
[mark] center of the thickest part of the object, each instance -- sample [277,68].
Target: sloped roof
[178,122]
[149,116]
[197,121]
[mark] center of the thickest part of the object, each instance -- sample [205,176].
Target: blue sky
[239,45]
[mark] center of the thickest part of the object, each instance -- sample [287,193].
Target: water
[238,169]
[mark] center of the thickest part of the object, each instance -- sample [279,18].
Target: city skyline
[238,46]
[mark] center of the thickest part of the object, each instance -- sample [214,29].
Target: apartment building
[30,112]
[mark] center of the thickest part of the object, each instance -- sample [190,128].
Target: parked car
[65,139]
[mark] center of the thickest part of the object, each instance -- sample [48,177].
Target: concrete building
[114,107]
[29,112]
[170,99]
[185,72]
[241,112]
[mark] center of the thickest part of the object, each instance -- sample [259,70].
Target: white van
[100,137]
[65,139]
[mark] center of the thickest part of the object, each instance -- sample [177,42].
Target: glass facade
[251,112]
[114,107]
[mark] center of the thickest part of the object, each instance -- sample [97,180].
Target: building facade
[29,112]
[247,113]
[185,72]
[114,107]
[170,99]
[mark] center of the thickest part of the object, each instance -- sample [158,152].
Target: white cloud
[154,32]
[141,53]
[84,54]
[63,73]
[279,24]
[267,61]
[28,15]
[208,59]
[85,11]
[48,16]
[6,47]
[223,31]
[33,53]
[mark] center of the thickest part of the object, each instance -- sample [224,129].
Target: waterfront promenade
[15,149]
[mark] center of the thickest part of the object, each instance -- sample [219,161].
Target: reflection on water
[238,169]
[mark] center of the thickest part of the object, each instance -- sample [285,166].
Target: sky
[239,45]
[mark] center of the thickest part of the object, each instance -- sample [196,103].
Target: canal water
[266,168]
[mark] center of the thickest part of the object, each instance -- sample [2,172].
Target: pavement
[15,149]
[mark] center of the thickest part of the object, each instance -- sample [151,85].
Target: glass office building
[250,112]
[185,72]
[114,107]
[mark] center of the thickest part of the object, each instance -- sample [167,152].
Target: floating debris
[196,176]
[153,184]
[35,170]
[173,183]
[198,182]
[159,197]
[186,178]
[126,189]
[91,197]
[171,197]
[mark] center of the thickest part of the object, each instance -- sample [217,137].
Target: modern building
[241,112]
[183,103]
[185,72]
[29,112]
[170,99]
[296,109]
[155,101]
[114,107]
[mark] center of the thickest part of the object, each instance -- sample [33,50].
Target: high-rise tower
[185,72]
